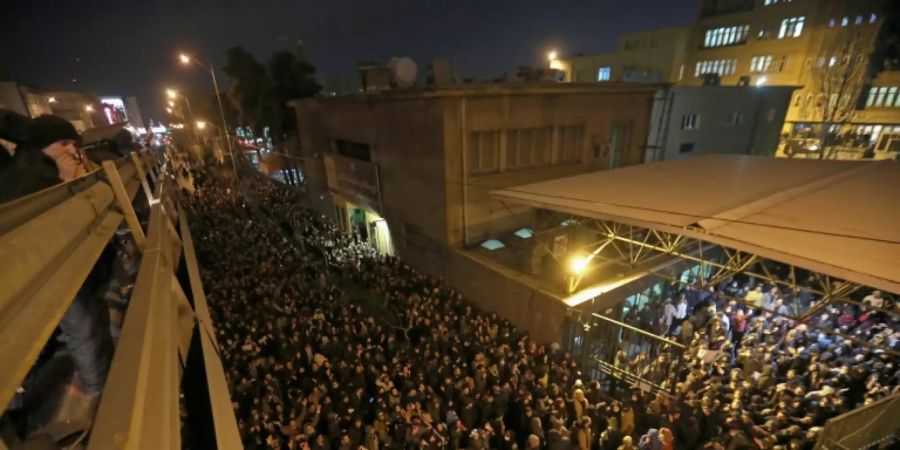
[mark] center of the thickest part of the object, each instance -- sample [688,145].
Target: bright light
[579,263]
[551,55]
[169,110]
[171,104]
[184,58]
[88,108]
[201,124]
[761,81]
[52,99]
[171,93]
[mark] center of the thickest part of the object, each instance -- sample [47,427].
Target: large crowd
[309,366]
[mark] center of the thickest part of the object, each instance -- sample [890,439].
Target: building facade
[651,56]
[699,120]
[82,110]
[411,170]
[822,46]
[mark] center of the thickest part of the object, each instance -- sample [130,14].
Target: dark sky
[128,47]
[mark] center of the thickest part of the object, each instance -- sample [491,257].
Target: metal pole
[212,71]
[193,119]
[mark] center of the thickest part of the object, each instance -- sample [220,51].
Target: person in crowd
[326,341]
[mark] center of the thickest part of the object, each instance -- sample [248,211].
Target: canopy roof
[840,218]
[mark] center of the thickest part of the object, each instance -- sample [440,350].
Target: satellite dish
[403,70]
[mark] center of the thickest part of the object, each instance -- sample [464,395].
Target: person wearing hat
[46,157]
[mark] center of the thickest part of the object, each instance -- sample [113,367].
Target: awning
[840,218]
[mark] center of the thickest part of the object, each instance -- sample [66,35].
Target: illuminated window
[791,27]
[845,21]
[859,20]
[774,2]
[721,67]
[718,37]
[524,233]
[492,244]
[832,23]
[604,74]
[884,97]
[873,17]
[760,64]
[690,121]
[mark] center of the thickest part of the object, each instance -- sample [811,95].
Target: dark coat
[29,172]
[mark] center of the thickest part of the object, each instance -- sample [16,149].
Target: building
[698,120]
[83,110]
[411,169]
[651,56]
[823,46]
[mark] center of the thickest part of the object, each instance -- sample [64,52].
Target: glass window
[832,23]
[879,101]
[871,99]
[845,21]
[791,27]
[690,122]
[604,74]
[873,17]
[859,20]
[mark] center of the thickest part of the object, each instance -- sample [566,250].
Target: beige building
[651,56]
[83,110]
[805,43]
[411,170]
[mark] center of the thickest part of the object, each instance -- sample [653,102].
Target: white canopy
[840,218]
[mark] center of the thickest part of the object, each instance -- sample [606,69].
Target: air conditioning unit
[744,81]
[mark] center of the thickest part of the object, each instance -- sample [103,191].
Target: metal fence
[873,425]
[166,357]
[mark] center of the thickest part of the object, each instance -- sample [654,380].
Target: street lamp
[551,56]
[88,108]
[578,264]
[171,93]
[187,59]
[169,110]
[171,104]
[201,125]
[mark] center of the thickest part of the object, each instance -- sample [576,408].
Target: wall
[11,98]
[651,56]
[762,112]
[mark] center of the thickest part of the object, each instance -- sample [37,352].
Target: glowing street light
[51,99]
[201,124]
[171,93]
[169,110]
[88,108]
[184,58]
[171,104]
[551,56]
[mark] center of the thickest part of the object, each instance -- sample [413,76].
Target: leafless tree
[838,77]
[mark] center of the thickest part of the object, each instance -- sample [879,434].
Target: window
[690,121]
[774,2]
[859,20]
[528,147]
[884,97]
[760,64]
[604,74]
[780,64]
[718,37]
[734,119]
[845,21]
[570,142]
[484,152]
[873,18]
[686,147]
[832,61]
[492,244]
[832,23]
[791,27]
[718,66]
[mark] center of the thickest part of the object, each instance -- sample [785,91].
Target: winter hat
[47,129]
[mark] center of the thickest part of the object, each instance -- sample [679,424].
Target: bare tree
[838,78]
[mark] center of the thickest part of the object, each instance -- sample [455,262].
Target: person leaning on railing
[49,156]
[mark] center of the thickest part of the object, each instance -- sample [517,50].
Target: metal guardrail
[51,241]
[864,427]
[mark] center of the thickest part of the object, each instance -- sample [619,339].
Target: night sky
[129,47]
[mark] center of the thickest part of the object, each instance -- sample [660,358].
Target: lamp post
[187,59]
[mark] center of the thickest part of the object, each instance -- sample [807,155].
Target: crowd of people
[311,367]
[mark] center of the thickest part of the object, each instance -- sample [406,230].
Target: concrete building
[698,120]
[411,171]
[650,56]
[83,110]
[814,44]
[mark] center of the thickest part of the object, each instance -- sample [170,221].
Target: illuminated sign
[114,109]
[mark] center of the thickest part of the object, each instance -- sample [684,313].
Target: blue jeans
[87,337]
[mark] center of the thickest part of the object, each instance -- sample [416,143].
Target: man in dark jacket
[47,157]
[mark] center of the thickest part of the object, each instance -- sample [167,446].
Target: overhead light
[578,264]
[551,55]
[761,81]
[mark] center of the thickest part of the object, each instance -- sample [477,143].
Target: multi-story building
[822,46]
[82,109]
[651,56]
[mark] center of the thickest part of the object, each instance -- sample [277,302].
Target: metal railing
[50,242]
[864,427]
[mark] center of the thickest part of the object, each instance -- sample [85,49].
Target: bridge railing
[166,354]
[865,427]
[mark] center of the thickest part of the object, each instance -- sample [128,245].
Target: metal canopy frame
[631,246]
